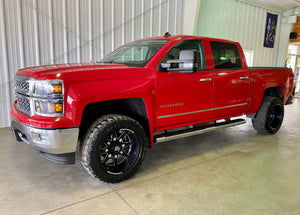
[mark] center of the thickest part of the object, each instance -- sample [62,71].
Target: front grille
[23,104]
[22,86]
[22,89]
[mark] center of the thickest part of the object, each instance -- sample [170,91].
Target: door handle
[244,77]
[222,73]
[205,79]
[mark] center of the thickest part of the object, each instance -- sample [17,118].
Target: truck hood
[81,71]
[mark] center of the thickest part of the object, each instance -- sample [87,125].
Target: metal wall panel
[238,21]
[39,32]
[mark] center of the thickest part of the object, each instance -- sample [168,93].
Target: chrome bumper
[52,141]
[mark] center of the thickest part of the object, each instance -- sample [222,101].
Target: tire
[114,148]
[270,115]
[291,98]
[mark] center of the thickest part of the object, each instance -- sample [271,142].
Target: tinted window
[226,55]
[173,54]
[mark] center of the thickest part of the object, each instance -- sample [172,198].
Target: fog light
[39,138]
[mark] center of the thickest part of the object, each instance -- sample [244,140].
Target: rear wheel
[114,148]
[290,100]
[270,115]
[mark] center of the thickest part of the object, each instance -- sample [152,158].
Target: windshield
[136,54]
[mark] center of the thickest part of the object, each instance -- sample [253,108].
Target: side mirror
[187,62]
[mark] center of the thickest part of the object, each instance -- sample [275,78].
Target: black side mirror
[187,62]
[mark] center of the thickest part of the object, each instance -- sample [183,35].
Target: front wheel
[270,115]
[114,148]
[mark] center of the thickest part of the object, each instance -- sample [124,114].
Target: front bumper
[52,143]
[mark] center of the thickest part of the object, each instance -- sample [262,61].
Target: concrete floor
[229,171]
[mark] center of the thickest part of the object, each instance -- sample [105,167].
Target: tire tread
[87,159]
[259,122]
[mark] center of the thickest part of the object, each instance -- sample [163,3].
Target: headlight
[39,97]
[48,89]
[48,97]
[47,107]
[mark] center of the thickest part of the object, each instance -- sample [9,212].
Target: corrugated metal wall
[37,32]
[241,22]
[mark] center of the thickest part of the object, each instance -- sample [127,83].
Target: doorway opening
[293,61]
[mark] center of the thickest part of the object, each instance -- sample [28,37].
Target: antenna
[167,34]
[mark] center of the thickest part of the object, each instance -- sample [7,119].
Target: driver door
[183,98]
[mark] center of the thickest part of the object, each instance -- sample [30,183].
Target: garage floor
[229,171]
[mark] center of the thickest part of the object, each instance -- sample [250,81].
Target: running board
[195,131]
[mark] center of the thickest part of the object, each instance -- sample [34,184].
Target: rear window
[226,55]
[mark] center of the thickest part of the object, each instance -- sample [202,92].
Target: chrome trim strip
[199,111]
[230,106]
[181,114]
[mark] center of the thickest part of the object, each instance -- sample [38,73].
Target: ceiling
[276,5]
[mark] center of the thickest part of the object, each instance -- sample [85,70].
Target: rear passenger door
[231,82]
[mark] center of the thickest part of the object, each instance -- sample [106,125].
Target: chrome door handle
[244,77]
[205,79]
[222,73]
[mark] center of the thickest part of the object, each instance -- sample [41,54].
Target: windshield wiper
[111,62]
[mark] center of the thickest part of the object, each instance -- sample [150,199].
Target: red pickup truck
[147,91]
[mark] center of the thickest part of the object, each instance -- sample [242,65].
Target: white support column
[189,16]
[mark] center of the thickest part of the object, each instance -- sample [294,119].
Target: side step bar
[195,131]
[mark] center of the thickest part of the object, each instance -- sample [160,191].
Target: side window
[226,55]
[173,54]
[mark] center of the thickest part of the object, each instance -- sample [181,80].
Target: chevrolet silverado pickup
[147,91]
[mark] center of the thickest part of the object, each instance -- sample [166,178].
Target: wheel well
[133,107]
[274,92]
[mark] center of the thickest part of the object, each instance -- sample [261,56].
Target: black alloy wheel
[120,151]
[114,148]
[270,115]
[275,116]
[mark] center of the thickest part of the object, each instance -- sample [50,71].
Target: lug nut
[115,139]
[120,140]
[116,156]
[108,143]
[123,145]
[121,152]
[109,155]
[106,150]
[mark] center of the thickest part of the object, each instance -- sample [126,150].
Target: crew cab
[147,91]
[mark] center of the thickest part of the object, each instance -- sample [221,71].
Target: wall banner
[270,30]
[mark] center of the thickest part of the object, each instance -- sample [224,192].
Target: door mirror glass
[187,62]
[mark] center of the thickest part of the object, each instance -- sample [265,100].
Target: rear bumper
[49,141]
